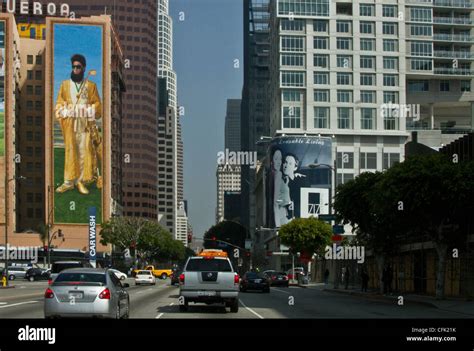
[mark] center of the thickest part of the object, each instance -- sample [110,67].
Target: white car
[118,274]
[145,277]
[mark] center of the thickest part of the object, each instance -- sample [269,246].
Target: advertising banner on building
[298,178]
[3,167]
[77,135]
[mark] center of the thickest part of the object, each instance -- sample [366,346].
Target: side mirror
[125,285]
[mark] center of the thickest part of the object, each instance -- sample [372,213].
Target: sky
[206,43]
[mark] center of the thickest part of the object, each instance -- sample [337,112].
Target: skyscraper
[228,179]
[232,125]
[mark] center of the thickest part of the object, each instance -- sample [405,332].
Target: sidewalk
[458,305]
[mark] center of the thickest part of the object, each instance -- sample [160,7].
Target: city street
[25,301]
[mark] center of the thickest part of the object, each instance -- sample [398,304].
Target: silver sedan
[87,292]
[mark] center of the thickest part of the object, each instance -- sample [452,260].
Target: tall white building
[182,225]
[228,179]
[170,145]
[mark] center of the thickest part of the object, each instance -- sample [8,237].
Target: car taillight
[285,278]
[181,278]
[273,277]
[105,295]
[48,294]
[236,279]
[50,281]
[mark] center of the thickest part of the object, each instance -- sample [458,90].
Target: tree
[355,204]
[429,196]
[228,231]
[306,235]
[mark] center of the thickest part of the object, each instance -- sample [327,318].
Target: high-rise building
[255,106]
[232,125]
[228,179]
[136,25]
[182,225]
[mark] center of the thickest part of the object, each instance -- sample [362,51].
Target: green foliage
[306,235]
[231,232]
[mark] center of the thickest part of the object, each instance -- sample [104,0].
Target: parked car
[298,270]
[254,281]
[88,293]
[278,279]
[145,277]
[16,272]
[33,274]
[120,275]
[175,276]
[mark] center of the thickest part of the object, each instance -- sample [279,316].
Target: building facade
[228,179]
[232,125]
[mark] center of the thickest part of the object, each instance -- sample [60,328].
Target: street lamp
[7,182]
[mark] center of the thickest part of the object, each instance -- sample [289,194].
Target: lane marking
[3,303]
[282,291]
[159,316]
[18,304]
[248,308]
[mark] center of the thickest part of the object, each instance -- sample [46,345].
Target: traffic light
[45,248]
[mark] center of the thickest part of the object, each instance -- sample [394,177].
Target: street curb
[7,287]
[382,297]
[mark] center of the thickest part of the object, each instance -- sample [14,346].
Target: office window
[421,65]
[367,118]
[321,78]
[29,90]
[390,45]
[291,117]
[295,25]
[367,10]
[292,43]
[344,43]
[29,75]
[367,96]
[291,95]
[420,14]
[321,117]
[421,30]
[465,85]
[39,59]
[304,8]
[344,78]
[29,120]
[292,79]
[320,26]
[389,10]
[321,43]
[294,60]
[344,96]
[367,27]
[390,97]
[389,159]
[344,61]
[343,178]
[38,75]
[345,160]
[390,28]
[390,63]
[444,85]
[344,117]
[368,160]
[367,62]
[344,26]
[367,79]
[390,80]
[367,44]
[418,85]
[321,61]
[29,59]
[38,90]
[321,95]
[421,48]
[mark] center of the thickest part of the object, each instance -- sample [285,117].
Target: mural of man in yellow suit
[78,106]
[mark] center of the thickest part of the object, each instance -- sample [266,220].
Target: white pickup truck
[209,280]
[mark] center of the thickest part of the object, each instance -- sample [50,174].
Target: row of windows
[30,58]
[366,44]
[345,118]
[444,85]
[366,79]
[367,160]
[366,96]
[345,61]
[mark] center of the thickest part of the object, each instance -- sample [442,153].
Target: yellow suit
[77,168]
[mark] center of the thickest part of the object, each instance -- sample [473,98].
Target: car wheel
[164,276]
[31,279]
[12,277]
[123,277]
[234,308]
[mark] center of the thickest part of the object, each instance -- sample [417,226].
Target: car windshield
[144,273]
[95,279]
[58,267]
[205,265]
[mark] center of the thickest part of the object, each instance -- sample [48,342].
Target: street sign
[338,229]
[327,217]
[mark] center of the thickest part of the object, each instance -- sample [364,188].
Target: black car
[254,281]
[33,274]
[278,278]
[175,276]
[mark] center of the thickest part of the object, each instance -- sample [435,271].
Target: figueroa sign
[36,9]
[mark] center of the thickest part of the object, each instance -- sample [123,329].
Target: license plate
[206,293]
[76,295]
[280,278]
[258,281]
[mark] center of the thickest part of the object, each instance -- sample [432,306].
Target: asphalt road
[25,301]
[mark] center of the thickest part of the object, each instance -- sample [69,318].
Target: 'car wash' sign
[92,235]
